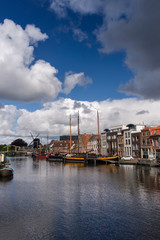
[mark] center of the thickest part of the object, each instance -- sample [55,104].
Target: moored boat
[55,157]
[109,159]
[6,171]
[74,158]
[39,156]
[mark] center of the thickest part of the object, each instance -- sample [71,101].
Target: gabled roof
[93,138]
[85,138]
[155,131]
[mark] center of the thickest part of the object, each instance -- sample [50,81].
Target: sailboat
[74,157]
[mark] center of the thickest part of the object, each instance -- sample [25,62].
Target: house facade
[146,144]
[92,146]
[131,129]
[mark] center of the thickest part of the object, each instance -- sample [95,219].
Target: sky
[61,57]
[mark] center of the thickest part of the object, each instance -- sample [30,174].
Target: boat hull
[6,172]
[74,160]
[109,160]
[39,156]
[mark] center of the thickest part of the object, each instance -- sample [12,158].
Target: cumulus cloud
[73,79]
[54,117]
[129,26]
[136,32]
[20,79]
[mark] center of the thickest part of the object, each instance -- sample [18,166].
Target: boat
[4,170]
[109,159]
[55,157]
[39,156]
[74,158]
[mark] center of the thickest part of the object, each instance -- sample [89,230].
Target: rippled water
[72,201]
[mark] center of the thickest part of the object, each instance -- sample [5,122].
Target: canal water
[73,201]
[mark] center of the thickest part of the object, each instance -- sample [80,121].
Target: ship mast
[78,132]
[70,135]
[99,148]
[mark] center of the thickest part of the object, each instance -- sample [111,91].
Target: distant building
[131,128]
[92,146]
[112,145]
[63,146]
[155,139]
[67,137]
[120,143]
[136,144]
[146,144]
[83,142]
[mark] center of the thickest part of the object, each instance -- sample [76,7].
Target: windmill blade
[31,143]
[37,135]
[32,135]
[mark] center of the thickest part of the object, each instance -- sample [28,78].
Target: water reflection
[6,179]
[149,177]
[77,201]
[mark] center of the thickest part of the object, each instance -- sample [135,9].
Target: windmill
[35,142]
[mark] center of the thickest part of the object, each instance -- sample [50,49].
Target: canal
[73,201]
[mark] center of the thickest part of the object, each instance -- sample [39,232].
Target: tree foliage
[19,142]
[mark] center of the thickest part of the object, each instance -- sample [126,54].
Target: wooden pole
[78,132]
[70,135]
[99,148]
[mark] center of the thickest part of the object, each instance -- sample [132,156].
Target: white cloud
[54,117]
[73,79]
[79,35]
[20,79]
[129,26]
[83,6]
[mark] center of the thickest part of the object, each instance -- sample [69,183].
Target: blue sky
[61,57]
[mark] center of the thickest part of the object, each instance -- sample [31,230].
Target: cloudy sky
[61,57]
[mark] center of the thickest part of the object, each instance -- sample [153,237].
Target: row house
[123,140]
[111,142]
[83,142]
[128,133]
[63,146]
[120,144]
[92,146]
[136,144]
[150,143]
[146,143]
[155,139]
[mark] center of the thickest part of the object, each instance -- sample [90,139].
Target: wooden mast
[78,132]
[99,148]
[70,135]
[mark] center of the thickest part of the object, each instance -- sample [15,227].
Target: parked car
[127,158]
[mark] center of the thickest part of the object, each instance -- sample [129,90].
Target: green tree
[19,143]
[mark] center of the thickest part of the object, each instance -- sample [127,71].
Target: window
[128,134]
[143,141]
[143,134]
[148,142]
